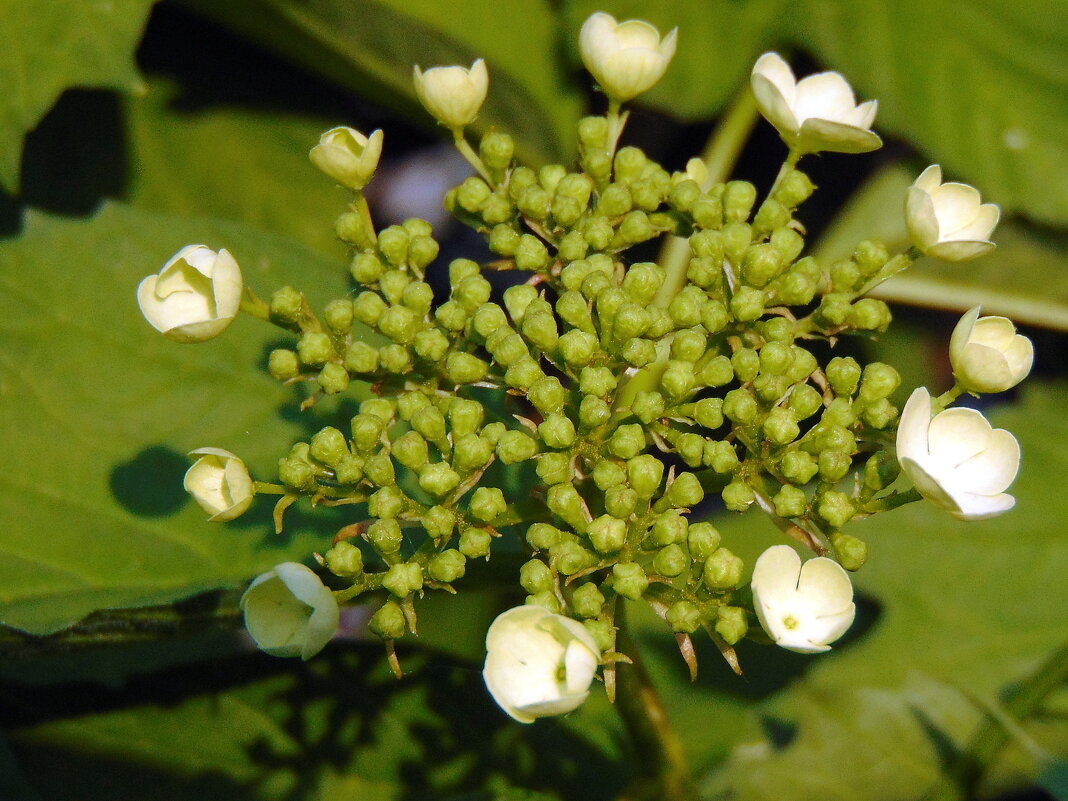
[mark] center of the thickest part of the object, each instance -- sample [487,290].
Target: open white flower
[949,221]
[956,459]
[220,483]
[195,296]
[453,95]
[817,113]
[347,156]
[987,353]
[626,58]
[805,607]
[538,663]
[290,612]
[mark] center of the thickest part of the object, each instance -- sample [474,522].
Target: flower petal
[920,218]
[960,251]
[913,426]
[825,96]
[837,137]
[956,206]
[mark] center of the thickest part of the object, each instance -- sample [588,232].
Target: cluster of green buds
[623,393]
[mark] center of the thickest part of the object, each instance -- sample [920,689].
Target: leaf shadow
[150,484]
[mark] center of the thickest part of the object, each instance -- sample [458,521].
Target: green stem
[472,157]
[791,161]
[947,397]
[892,501]
[616,121]
[719,156]
[657,745]
[964,773]
[255,306]
[359,205]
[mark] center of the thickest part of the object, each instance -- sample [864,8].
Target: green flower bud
[636,227]
[639,352]
[880,414]
[388,622]
[850,552]
[707,212]
[475,543]
[504,239]
[411,450]
[287,305]
[540,330]
[530,254]
[593,133]
[393,245]
[417,227]
[716,372]
[881,470]
[790,502]
[403,579]
[761,264]
[577,347]
[688,346]
[684,617]
[447,566]
[802,366]
[607,534]
[523,373]
[669,528]
[747,304]
[629,580]
[367,431]
[520,179]
[328,446]
[395,359]
[798,467]
[645,473]
[770,388]
[615,201]
[740,407]
[788,242]
[497,210]
[471,292]
[597,231]
[593,412]
[845,276]
[535,576]
[705,272]
[793,188]
[587,601]
[572,308]
[430,422]
[554,468]
[542,536]
[465,368]
[843,374]
[737,236]
[557,431]
[834,308]
[496,150]
[345,560]
[708,412]
[411,402]
[430,345]
[283,364]
[702,539]
[349,469]
[569,557]
[379,470]
[691,447]
[869,314]
[599,381]
[771,215]
[368,307]
[834,465]
[839,412]
[870,256]
[439,522]
[366,268]
[687,306]
[737,496]
[631,320]
[515,446]
[836,508]
[627,441]
[642,282]
[472,193]
[684,195]
[361,358]
[534,202]
[564,501]
[607,474]
[671,561]
[879,381]
[738,199]
[746,364]
[685,491]
[620,502]
[385,536]
[660,324]
[338,315]
[780,427]
[775,358]
[805,401]
[546,600]
[422,250]
[451,315]
[797,287]
[678,379]
[648,406]
[731,624]
[399,323]
[722,571]
[438,479]
[387,503]
[721,457]
[573,246]
[547,394]
[315,348]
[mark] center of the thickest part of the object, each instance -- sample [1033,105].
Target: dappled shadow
[150,484]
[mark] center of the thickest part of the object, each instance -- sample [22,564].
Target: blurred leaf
[370,47]
[987,96]
[1026,278]
[233,163]
[99,410]
[53,45]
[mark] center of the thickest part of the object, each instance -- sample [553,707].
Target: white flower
[347,156]
[290,612]
[957,460]
[453,95]
[538,663]
[802,607]
[948,221]
[987,353]
[220,483]
[816,113]
[626,58]
[195,296]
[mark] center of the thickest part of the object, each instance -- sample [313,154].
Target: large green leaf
[1026,278]
[52,45]
[238,164]
[99,410]
[370,46]
[983,90]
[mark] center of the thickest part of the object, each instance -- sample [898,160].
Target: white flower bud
[195,296]
[817,113]
[948,221]
[347,156]
[220,483]
[805,607]
[453,95]
[538,663]
[987,353]
[626,58]
[290,612]
[956,459]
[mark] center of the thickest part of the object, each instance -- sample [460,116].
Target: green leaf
[986,98]
[1025,279]
[53,45]
[370,46]
[239,164]
[99,410]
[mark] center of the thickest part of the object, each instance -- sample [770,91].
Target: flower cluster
[621,392]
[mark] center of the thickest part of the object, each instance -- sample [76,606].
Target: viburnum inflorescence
[622,392]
